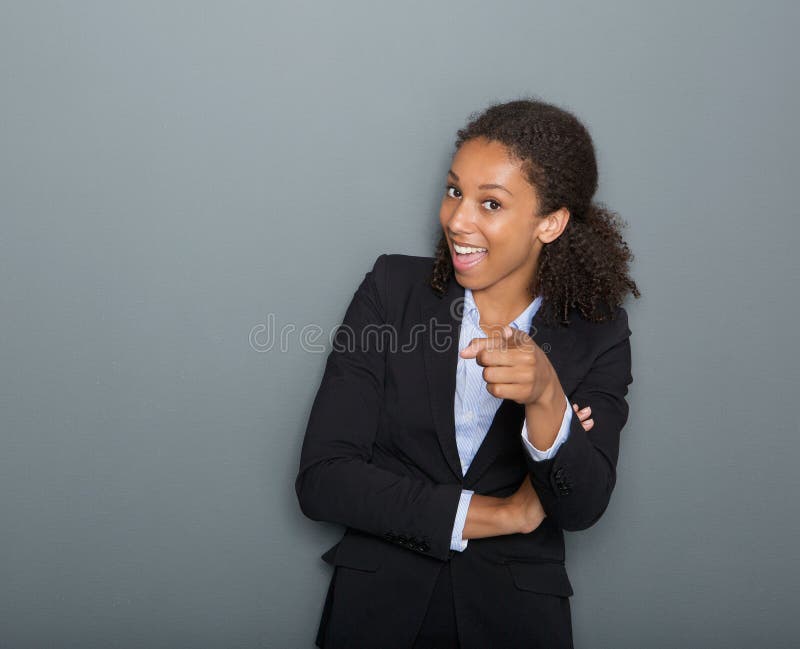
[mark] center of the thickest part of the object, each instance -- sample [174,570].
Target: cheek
[511,235]
[501,237]
[510,248]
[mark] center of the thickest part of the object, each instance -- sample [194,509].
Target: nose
[460,220]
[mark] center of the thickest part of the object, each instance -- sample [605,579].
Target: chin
[472,282]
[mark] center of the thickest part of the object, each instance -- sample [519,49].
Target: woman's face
[489,204]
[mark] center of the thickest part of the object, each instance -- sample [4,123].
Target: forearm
[543,418]
[489,516]
[575,485]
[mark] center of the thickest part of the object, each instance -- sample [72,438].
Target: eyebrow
[484,186]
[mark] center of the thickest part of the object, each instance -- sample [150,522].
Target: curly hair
[587,266]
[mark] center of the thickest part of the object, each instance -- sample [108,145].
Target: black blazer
[380,457]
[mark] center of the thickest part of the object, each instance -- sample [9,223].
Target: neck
[499,305]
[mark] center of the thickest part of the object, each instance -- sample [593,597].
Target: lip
[460,266]
[465,245]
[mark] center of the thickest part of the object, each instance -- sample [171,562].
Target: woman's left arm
[575,485]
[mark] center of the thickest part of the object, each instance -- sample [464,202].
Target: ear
[553,225]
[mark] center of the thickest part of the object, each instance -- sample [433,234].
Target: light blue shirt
[475,406]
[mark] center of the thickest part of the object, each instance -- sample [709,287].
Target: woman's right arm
[337,481]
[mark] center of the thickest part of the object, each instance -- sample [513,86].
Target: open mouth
[466,257]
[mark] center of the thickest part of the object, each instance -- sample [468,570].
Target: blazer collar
[441,316]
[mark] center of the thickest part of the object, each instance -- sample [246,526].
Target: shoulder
[614,319]
[592,338]
[400,281]
[396,273]
[403,266]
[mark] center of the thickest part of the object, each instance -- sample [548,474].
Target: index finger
[491,345]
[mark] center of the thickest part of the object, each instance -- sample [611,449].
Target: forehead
[485,160]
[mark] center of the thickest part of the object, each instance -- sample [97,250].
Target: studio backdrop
[190,193]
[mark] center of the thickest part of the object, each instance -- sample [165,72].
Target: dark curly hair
[587,265]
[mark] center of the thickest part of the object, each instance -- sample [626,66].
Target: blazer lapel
[442,319]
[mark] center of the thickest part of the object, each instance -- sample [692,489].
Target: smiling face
[490,205]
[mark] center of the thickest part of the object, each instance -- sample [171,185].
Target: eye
[455,193]
[493,203]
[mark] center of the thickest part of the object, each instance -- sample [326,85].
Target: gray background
[173,175]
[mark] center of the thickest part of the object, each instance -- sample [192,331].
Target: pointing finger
[477,344]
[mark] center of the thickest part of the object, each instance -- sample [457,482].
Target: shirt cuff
[563,433]
[456,542]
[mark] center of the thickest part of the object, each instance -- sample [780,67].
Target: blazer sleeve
[575,485]
[337,482]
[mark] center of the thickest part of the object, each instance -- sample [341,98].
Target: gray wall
[165,167]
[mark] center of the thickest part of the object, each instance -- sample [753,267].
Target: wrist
[553,393]
[550,400]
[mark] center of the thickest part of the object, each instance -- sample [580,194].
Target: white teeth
[463,250]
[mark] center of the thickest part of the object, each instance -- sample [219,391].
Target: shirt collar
[522,321]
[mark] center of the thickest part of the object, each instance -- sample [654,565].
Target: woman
[449,433]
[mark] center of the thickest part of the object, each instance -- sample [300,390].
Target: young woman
[471,407]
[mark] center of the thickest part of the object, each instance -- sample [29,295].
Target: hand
[515,367]
[526,507]
[583,416]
